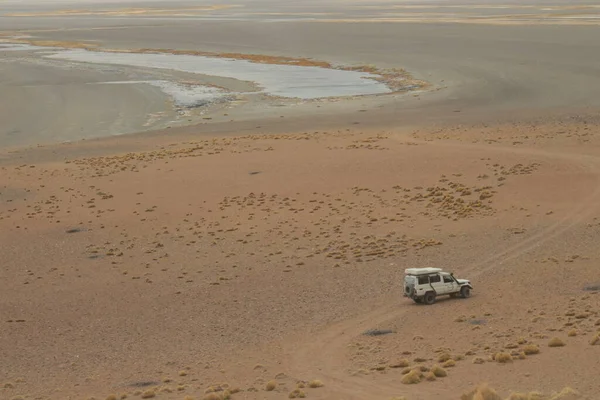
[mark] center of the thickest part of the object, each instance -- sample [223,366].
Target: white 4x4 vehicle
[423,285]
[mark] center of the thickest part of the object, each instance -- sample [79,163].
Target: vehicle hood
[462,281]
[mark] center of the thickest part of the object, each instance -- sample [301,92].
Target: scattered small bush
[271,385]
[531,349]
[595,340]
[315,384]
[449,364]
[411,378]
[439,371]
[503,358]
[478,360]
[297,394]
[482,392]
[444,357]
[148,394]
[518,396]
[566,394]
[556,342]
[430,376]
[572,332]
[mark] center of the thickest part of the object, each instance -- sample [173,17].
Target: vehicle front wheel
[429,298]
[418,300]
[465,292]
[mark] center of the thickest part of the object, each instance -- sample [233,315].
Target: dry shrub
[449,364]
[518,396]
[478,360]
[111,397]
[439,371]
[595,340]
[297,394]
[412,377]
[271,385]
[148,394]
[406,371]
[503,358]
[315,384]
[567,394]
[572,332]
[401,364]
[444,357]
[212,396]
[556,342]
[430,376]
[531,349]
[188,398]
[482,392]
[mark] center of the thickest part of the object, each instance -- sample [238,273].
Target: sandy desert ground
[262,256]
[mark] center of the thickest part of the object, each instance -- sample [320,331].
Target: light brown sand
[192,263]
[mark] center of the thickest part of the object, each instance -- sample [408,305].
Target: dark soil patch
[377,332]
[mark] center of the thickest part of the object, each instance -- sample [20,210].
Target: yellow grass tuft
[572,332]
[9,385]
[297,394]
[482,392]
[271,385]
[566,394]
[556,342]
[595,340]
[430,376]
[444,357]
[212,396]
[478,360]
[411,378]
[439,371]
[518,396]
[111,397]
[182,373]
[531,349]
[148,394]
[503,358]
[188,398]
[449,364]
[315,384]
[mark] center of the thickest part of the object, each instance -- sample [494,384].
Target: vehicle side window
[448,279]
[423,280]
[434,279]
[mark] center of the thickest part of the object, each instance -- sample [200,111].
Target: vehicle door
[450,285]
[437,283]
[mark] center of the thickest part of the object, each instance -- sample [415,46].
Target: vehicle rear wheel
[465,292]
[429,298]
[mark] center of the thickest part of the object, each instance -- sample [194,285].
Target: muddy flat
[180,233]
